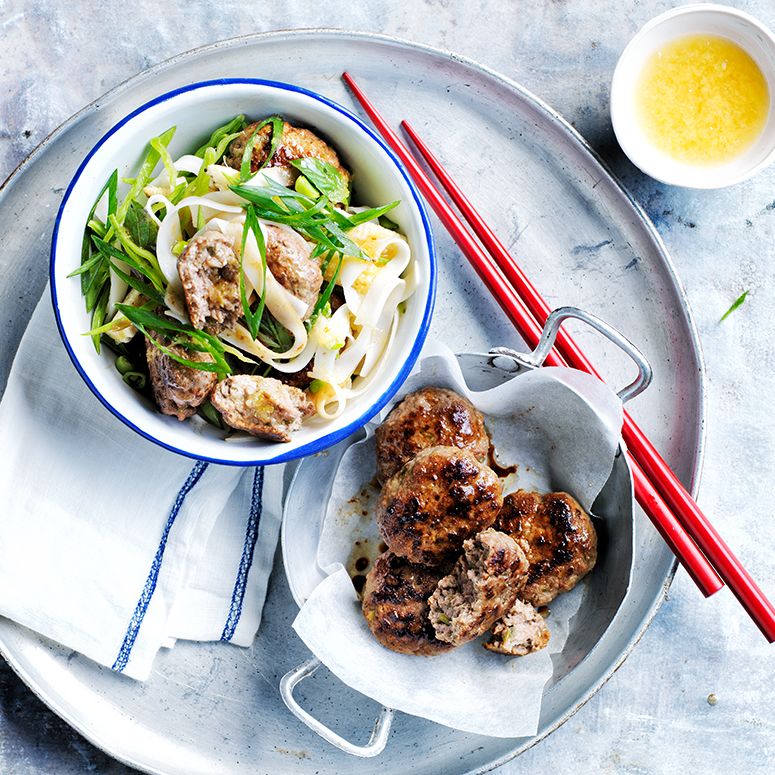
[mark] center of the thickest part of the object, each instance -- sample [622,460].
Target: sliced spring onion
[737,303]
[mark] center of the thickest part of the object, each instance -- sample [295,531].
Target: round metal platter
[215,708]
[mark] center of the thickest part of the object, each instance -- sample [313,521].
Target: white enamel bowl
[705,18]
[196,111]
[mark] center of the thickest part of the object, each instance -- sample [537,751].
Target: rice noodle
[344,352]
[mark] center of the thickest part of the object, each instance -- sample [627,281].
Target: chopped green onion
[99,313]
[144,177]
[325,177]
[221,137]
[139,258]
[737,303]
[169,165]
[245,172]
[252,319]
[124,365]
[193,338]
[303,186]
[134,379]
[325,297]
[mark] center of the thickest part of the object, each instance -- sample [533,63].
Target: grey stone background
[657,714]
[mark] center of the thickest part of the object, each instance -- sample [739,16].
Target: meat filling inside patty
[482,586]
[521,631]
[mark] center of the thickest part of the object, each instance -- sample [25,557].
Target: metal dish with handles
[481,371]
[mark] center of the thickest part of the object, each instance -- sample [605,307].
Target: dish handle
[553,322]
[381,726]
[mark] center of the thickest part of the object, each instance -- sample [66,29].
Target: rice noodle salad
[240,284]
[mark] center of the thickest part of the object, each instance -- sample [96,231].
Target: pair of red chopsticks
[685,529]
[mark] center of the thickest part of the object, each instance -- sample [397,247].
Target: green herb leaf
[141,227]
[247,154]
[737,303]
[325,177]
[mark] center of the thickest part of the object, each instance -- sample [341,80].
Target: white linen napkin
[109,544]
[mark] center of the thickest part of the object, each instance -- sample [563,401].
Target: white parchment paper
[560,428]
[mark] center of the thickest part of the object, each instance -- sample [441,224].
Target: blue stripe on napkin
[153,575]
[251,535]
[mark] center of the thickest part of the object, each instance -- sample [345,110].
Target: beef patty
[178,390]
[395,605]
[262,406]
[296,143]
[288,258]
[557,536]
[428,417]
[437,500]
[209,271]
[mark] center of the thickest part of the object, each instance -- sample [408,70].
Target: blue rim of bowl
[328,439]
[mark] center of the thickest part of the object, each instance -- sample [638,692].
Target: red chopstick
[528,317]
[652,503]
[681,503]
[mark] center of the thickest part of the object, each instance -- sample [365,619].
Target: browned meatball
[262,406]
[296,143]
[177,389]
[521,631]
[395,605]
[440,498]
[482,586]
[429,417]
[557,536]
[209,270]
[288,259]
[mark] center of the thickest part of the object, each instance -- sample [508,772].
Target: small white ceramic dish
[705,18]
[197,110]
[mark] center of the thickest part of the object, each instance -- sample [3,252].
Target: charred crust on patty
[557,536]
[395,605]
[435,502]
[428,417]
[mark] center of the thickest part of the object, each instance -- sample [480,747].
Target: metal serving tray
[581,239]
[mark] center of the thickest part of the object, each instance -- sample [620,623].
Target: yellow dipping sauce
[702,99]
